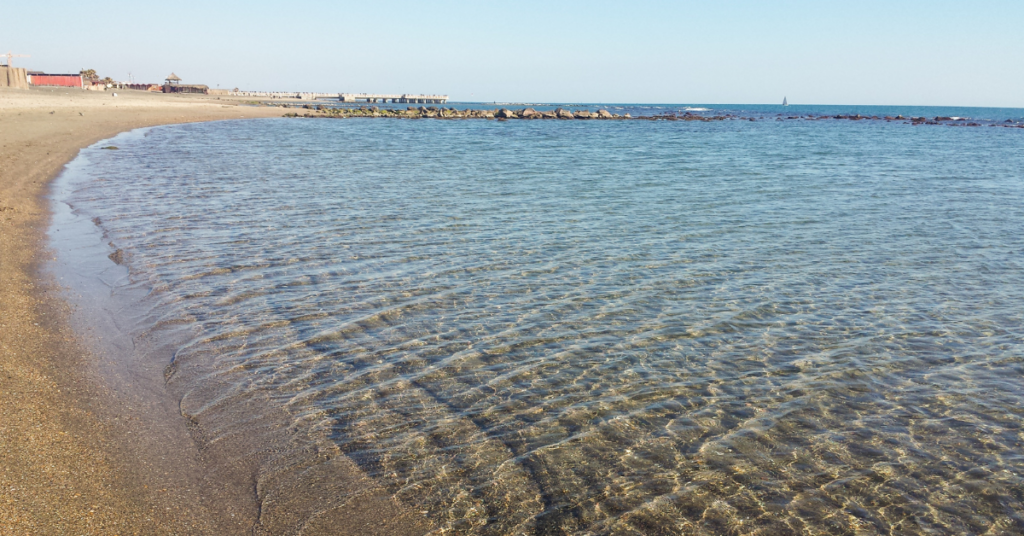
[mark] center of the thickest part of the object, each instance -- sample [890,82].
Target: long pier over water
[348,97]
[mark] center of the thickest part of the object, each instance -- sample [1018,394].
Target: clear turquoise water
[601,327]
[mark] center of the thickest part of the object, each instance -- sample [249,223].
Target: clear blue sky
[926,52]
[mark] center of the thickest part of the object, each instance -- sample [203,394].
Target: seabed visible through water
[594,327]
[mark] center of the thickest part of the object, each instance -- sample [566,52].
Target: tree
[89,74]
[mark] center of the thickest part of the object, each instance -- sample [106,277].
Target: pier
[404,98]
[347,97]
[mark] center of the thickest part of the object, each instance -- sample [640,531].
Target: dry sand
[76,456]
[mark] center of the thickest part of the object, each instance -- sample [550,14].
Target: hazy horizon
[915,54]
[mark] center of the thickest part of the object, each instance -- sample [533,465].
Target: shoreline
[76,453]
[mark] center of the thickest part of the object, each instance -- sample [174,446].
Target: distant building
[59,80]
[173,85]
[15,77]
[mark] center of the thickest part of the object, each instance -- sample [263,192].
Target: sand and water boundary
[81,451]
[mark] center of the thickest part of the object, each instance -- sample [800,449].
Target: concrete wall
[15,77]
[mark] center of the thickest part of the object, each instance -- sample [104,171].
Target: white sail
[785,102]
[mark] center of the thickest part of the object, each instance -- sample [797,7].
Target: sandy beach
[75,456]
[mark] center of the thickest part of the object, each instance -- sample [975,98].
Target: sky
[909,52]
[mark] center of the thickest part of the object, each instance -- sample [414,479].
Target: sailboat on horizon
[785,102]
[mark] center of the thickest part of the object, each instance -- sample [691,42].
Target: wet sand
[80,454]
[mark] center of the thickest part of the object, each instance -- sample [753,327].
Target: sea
[784,325]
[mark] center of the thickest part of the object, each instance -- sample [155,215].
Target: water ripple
[602,328]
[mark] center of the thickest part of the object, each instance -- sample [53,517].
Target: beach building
[15,77]
[172,84]
[59,80]
[142,87]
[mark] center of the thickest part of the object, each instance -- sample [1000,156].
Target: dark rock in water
[110,148]
[900,118]
[117,256]
[943,118]
[604,114]
[422,109]
[548,115]
[529,113]
[411,108]
[1008,121]
[582,114]
[375,109]
[504,114]
[564,114]
[627,116]
[432,108]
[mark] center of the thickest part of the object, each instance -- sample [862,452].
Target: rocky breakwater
[529,114]
[433,112]
[499,114]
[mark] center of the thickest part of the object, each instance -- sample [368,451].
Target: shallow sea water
[600,327]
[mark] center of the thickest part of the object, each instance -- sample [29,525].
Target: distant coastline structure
[408,98]
[172,84]
[56,80]
[404,98]
[14,77]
